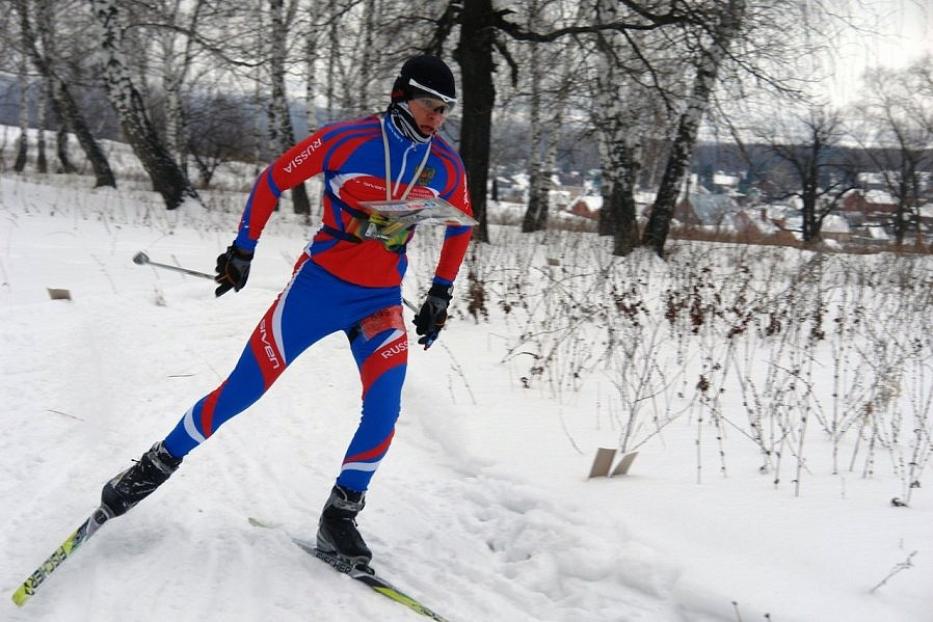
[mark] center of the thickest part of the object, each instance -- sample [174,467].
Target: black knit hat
[425,76]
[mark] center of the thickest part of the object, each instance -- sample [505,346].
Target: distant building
[560,198]
[724,183]
[836,227]
[511,189]
[877,233]
[871,181]
[869,203]
[926,214]
[755,221]
[586,206]
[705,208]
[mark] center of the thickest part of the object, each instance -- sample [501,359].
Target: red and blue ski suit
[341,282]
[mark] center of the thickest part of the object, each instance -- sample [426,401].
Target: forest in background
[629,87]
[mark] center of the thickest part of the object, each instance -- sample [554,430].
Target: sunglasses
[429,99]
[434,105]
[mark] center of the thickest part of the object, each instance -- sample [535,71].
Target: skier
[346,279]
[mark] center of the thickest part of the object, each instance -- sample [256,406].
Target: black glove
[433,314]
[232,269]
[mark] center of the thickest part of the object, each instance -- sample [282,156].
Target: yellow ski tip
[20,596]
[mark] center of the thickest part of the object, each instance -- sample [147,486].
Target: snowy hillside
[482,508]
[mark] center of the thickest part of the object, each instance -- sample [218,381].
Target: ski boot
[337,533]
[136,483]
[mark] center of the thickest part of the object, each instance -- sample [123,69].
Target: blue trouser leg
[382,359]
[313,305]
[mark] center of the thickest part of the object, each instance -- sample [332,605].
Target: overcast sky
[897,32]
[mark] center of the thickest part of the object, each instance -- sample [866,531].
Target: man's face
[429,114]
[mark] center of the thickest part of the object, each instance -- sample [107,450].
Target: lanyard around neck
[385,147]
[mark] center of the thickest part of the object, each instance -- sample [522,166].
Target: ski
[80,535]
[367,576]
[364,574]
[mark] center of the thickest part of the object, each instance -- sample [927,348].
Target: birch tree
[284,133]
[40,46]
[536,217]
[167,177]
[311,55]
[353,37]
[42,118]
[616,117]
[367,61]
[484,28]
[176,39]
[333,58]
[22,143]
[48,33]
[549,76]
[712,53]
[260,45]
[61,150]
[536,130]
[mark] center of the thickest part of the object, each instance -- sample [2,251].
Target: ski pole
[142,259]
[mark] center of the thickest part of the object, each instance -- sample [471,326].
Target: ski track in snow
[480,511]
[97,380]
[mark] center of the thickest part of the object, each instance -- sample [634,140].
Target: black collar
[404,122]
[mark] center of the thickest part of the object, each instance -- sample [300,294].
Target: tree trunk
[175,135]
[22,144]
[624,238]
[905,187]
[811,189]
[549,165]
[901,212]
[333,37]
[366,64]
[176,131]
[134,43]
[530,219]
[607,222]
[811,233]
[618,148]
[474,55]
[63,103]
[311,56]
[662,211]
[620,165]
[67,108]
[285,132]
[625,235]
[549,169]
[175,68]
[546,141]
[42,112]
[536,130]
[61,150]
[259,135]
[167,178]
[206,168]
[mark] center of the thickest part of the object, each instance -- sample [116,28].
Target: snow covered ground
[482,508]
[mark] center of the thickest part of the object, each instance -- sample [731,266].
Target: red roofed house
[869,203]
